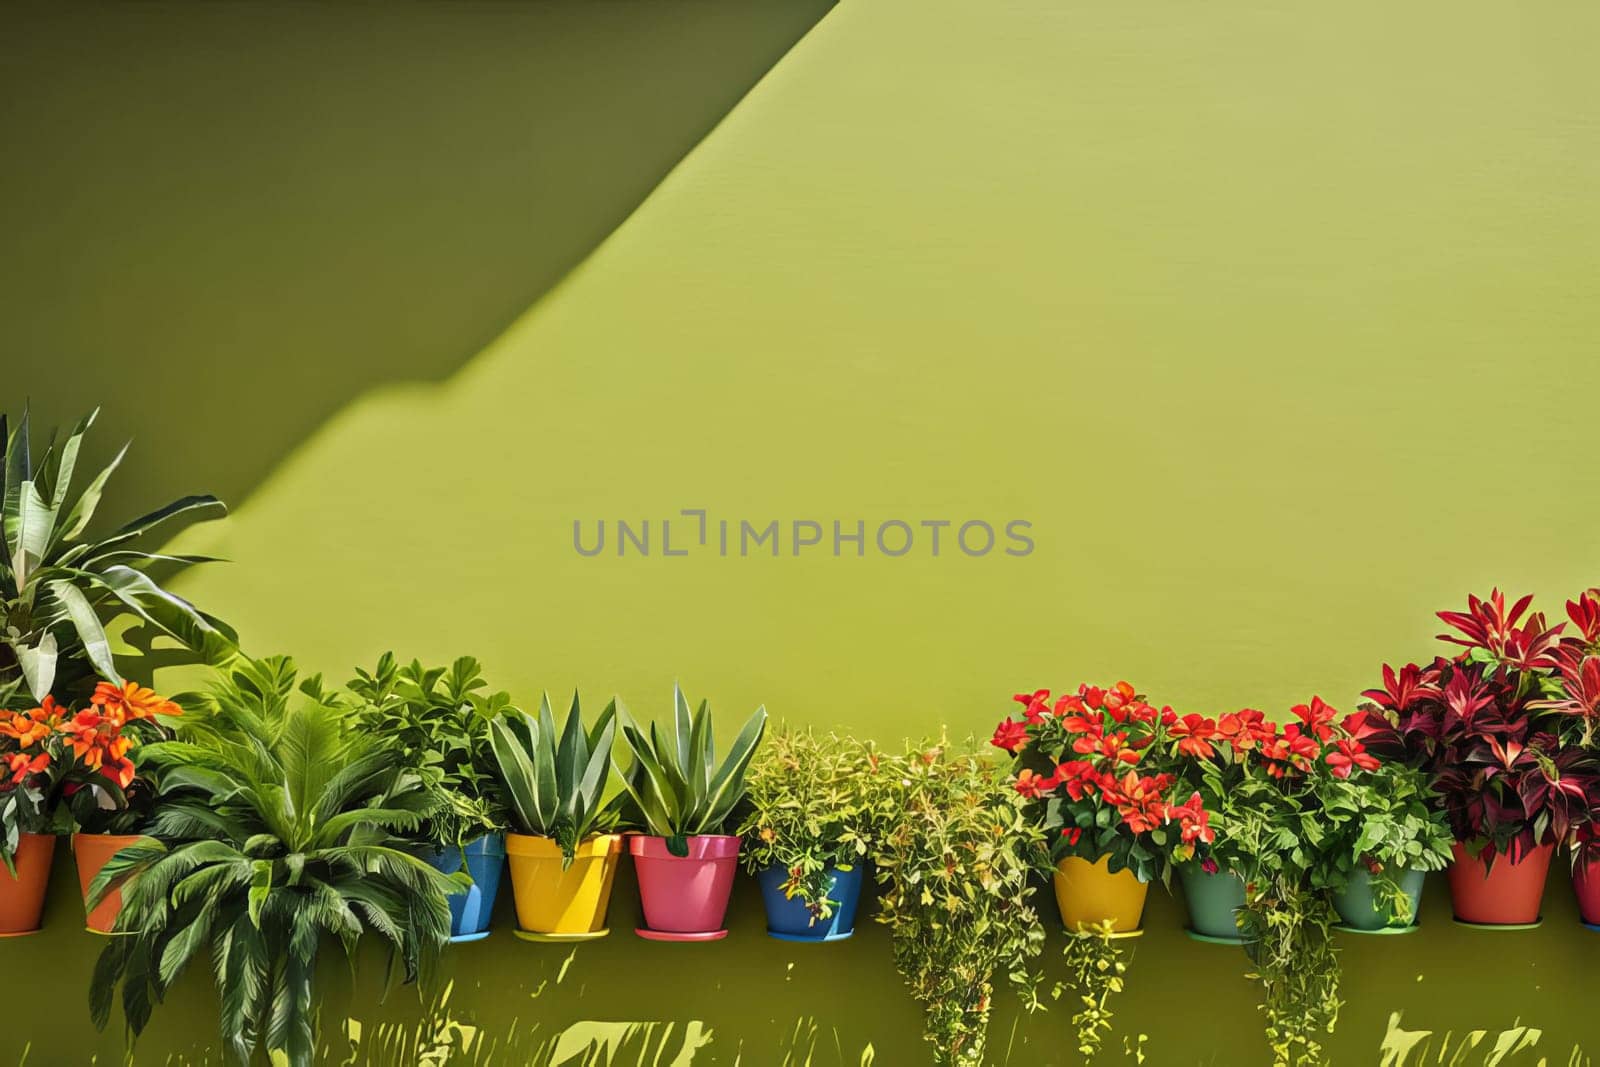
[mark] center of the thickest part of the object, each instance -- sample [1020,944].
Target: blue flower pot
[471,909]
[788,920]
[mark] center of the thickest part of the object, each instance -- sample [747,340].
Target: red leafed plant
[1096,766]
[62,769]
[1504,727]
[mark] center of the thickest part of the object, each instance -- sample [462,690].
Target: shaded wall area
[225,221]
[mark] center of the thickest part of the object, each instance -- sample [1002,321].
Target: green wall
[1276,326]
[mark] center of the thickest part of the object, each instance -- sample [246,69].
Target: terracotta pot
[22,894]
[685,898]
[1088,894]
[1504,894]
[94,851]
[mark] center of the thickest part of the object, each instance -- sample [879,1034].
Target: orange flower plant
[62,769]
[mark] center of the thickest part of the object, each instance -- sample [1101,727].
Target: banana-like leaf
[38,663]
[28,532]
[93,635]
[18,468]
[169,612]
[69,461]
[83,510]
[145,523]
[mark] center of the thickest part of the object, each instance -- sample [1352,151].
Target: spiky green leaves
[555,782]
[678,786]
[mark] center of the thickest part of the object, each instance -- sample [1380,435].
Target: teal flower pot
[1359,909]
[1212,899]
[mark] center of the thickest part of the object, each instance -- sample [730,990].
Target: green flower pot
[1212,898]
[1359,910]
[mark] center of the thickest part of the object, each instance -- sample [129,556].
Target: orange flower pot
[22,894]
[93,852]
[1088,894]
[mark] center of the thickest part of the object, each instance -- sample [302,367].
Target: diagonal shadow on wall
[223,222]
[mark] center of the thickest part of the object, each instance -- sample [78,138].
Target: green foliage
[955,854]
[556,783]
[1095,968]
[1288,931]
[60,590]
[1272,836]
[438,720]
[1385,821]
[677,786]
[808,807]
[275,829]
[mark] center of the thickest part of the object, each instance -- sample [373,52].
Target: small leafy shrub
[955,853]
[437,721]
[807,809]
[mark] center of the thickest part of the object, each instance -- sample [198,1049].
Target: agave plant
[59,589]
[274,829]
[677,785]
[555,783]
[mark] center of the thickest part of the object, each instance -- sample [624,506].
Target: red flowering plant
[1096,766]
[62,770]
[1504,728]
[1293,805]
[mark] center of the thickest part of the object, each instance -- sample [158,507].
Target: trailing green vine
[955,855]
[1288,931]
[1095,967]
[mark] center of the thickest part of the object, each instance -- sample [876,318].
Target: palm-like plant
[59,589]
[273,830]
[678,786]
[555,784]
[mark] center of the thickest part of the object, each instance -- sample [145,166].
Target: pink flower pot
[685,897]
[1506,894]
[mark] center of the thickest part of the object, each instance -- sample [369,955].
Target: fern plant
[677,785]
[555,783]
[274,829]
[61,589]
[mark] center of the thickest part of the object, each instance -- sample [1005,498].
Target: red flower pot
[1586,881]
[1504,894]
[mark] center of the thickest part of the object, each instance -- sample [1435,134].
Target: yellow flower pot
[1089,894]
[562,905]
